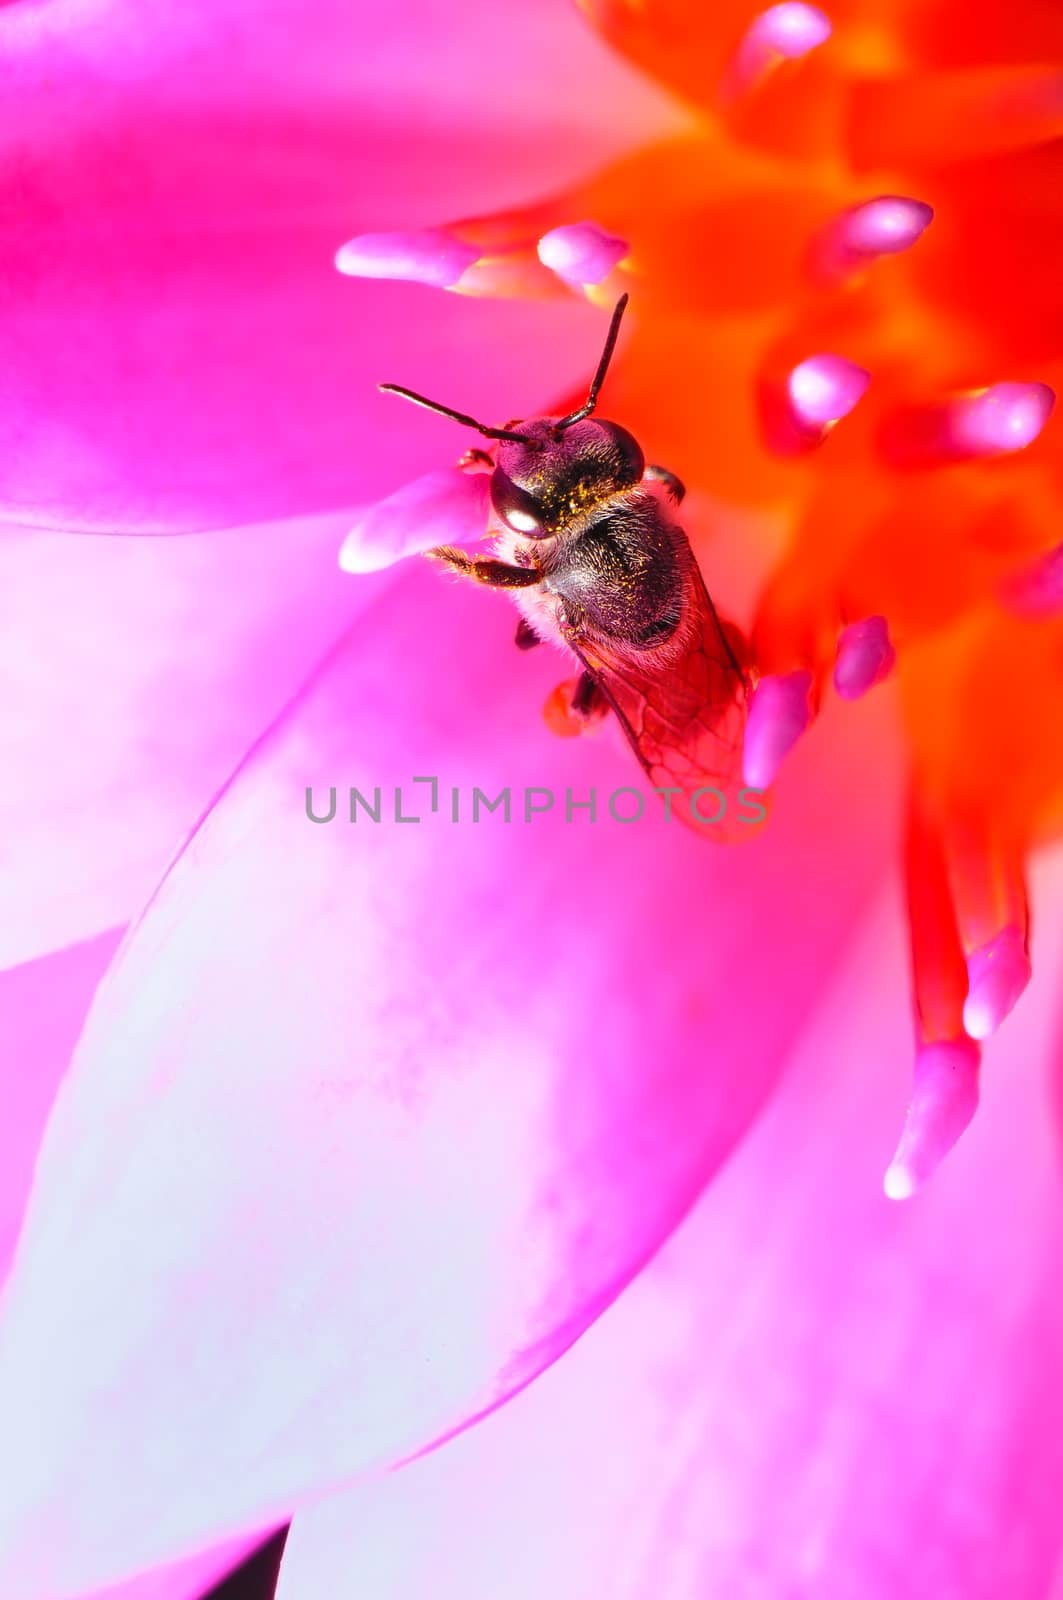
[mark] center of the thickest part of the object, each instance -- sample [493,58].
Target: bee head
[557,470]
[550,469]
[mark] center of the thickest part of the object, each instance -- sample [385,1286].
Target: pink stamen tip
[1006,416]
[430,255]
[997,974]
[1038,591]
[884,226]
[944,1099]
[825,388]
[443,507]
[779,713]
[791,29]
[865,657]
[781,33]
[581,253]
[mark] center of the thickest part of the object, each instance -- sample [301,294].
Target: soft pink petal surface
[132,675]
[180,351]
[370,1120]
[42,1007]
[810,1393]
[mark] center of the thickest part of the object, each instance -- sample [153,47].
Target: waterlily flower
[371,1119]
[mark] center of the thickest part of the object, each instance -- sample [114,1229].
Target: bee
[587,544]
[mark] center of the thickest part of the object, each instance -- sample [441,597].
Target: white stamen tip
[782,33]
[944,1099]
[884,226]
[442,507]
[1004,417]
[997,974]
[825,388]
[581,253]
[792,29]
[779,713]
[898,1184]
[430,255]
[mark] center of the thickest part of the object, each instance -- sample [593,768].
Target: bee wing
[682,708]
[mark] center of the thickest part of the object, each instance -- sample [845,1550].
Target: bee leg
[526,637]
[675,486]
[476,461]
[575,706]
[589,701]
[496,574]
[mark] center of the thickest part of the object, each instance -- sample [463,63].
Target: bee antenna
[603,367]
[458,416]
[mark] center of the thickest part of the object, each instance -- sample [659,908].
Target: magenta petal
[808,1394]
[354,1143]
[445,507]
[179,351]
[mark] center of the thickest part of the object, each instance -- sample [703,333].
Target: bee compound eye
[518,509]
[632,462]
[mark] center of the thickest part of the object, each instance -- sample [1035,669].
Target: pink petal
[371,1120]
[179,349]
[132,674]
[809,1392]
[42,1007]
[444,507]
